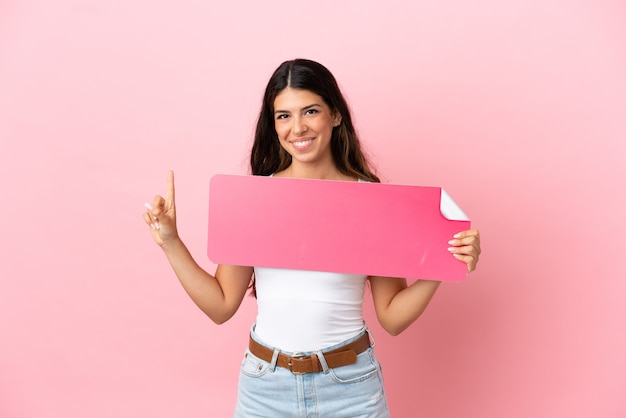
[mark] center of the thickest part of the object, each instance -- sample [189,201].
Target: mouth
[302,144]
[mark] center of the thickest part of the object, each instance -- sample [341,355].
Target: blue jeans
[268,391]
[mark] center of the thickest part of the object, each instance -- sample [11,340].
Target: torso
[300,311]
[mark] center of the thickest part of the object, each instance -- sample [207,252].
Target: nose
[299,126]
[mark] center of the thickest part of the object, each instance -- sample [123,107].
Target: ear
[337,120]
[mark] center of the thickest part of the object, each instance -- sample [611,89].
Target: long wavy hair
[268,156]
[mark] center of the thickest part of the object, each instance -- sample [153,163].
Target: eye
[311,112]
[282,116]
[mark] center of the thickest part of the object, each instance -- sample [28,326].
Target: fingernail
[455,235]
[451,242]
[156,224]
[152,226]
[450,248]
[148,206]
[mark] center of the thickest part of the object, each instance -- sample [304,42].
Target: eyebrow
[303,109]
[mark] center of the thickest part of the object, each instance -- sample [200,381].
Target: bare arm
[398,305]
[218,296]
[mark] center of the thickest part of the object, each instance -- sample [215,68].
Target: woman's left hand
[466,247]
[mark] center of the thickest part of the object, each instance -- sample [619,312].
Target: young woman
[310,354]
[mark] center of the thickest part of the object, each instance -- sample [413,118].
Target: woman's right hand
[160,215]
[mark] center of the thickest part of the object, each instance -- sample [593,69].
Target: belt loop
[322,360]
[372,341]
[274,360]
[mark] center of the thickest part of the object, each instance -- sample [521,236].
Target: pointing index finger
[169,196]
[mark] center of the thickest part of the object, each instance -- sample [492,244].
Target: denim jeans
[268,391]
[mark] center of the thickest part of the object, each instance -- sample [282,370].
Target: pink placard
[349,227]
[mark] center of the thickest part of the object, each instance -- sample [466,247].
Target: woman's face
[304,124]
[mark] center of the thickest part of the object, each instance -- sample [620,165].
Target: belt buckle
[295,356]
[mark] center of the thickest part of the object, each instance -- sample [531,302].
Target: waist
[306,328]
[300,363]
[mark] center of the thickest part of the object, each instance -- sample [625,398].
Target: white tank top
[303,311]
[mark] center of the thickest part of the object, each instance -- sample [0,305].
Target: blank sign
[349,227]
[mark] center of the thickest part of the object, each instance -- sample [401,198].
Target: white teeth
[301,143]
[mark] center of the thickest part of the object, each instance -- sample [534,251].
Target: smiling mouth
[302,145]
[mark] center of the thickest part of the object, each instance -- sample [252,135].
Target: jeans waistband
[338,355]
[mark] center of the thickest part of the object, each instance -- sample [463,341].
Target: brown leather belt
[341,356]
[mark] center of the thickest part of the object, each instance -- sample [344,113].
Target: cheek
[326,130]
[282,132]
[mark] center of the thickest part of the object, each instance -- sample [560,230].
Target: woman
[310,353]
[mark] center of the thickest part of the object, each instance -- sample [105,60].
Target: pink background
[517,108]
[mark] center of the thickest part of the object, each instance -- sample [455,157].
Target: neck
[314,171]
